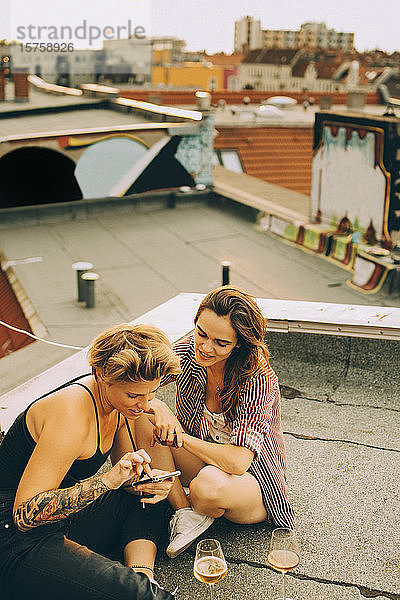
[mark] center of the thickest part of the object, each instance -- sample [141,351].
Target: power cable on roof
[35,337]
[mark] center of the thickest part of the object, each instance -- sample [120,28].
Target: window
[212,84]
[229,159]
[215,159]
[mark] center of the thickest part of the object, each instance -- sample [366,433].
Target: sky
[207,24]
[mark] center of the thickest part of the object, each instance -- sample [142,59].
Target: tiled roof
[393,85]
[325,70]
[271,56]
[225,60]
[11,313]
[325,62]
[280,155]
[300,68]
[368,74]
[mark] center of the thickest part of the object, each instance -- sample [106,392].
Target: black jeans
[79,557]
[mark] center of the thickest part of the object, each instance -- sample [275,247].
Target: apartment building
[250,36]
[268,68]
[297,70]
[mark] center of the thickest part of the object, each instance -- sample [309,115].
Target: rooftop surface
[340,406]
[146,254]
[79,112]
[40,99]
[263,195]
[223,116]
[93,117]
[340,418]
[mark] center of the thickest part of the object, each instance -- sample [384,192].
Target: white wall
[345,179]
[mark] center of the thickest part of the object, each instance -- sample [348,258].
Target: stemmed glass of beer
[209,563]
[283,554]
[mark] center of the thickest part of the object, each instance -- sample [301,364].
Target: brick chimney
[21,84]
[2,86]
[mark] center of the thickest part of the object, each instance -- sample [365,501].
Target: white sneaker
[186,525]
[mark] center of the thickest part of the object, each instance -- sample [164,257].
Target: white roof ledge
[176,315]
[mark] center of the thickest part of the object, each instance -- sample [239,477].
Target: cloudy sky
[209,24]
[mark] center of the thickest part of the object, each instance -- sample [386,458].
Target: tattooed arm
[54,505]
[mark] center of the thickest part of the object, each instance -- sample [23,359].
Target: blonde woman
[66,531]
[227,428]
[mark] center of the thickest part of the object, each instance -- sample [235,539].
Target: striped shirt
[257,425]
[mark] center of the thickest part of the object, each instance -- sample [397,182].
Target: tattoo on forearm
[54,505]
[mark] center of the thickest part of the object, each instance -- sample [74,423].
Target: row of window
[309,34]
[265,72]
[294,84]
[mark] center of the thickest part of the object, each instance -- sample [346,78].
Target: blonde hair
[127,352]
[250,327]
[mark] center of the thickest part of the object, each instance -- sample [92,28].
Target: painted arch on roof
[33,175]
[104,163]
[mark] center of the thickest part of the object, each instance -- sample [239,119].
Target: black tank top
[18,445]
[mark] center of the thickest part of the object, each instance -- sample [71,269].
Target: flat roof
[38,99]
[340,420]
[340,407]
[67,121]
[145,254]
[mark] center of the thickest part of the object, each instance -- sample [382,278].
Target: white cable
[35,337]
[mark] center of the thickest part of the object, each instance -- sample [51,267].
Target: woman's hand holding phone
[132,464]
[159,490]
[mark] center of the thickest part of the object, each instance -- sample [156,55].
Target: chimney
[21,84]
[2,86]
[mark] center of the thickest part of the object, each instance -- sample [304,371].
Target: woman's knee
[207,488]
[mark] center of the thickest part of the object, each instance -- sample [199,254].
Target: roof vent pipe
[203,100]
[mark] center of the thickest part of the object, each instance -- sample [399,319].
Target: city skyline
[210,25]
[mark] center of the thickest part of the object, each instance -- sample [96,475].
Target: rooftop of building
[95,118]
[225,60]
[271,56]
[54,112]
[340,400]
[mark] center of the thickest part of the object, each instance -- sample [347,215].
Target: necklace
[214,387]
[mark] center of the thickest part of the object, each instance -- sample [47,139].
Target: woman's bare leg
[237,497]
[142,553]
[187,463]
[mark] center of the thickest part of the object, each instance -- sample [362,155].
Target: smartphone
[155,478]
